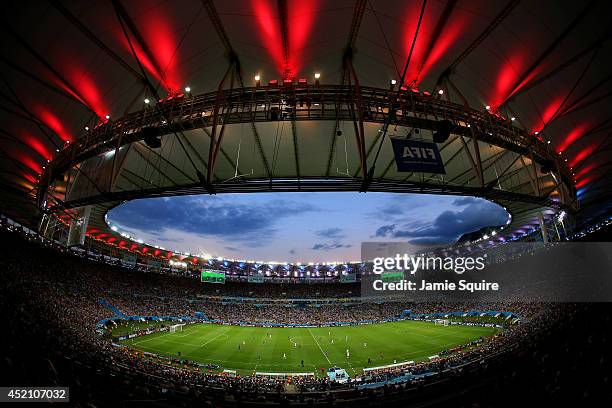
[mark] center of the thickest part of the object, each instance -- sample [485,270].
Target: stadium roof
[66,65]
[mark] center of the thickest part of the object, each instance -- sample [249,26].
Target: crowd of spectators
[56,295]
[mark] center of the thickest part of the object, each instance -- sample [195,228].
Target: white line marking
[324,355]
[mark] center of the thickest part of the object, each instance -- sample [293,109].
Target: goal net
[444,322]
[176,327]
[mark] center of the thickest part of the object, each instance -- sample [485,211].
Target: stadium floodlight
[107,116]
[187,89]
[440,91]
[317,75]
[146,100]
[393,82]
[86,128]
[487,107]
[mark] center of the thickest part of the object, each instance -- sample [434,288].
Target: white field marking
[189,333]
[214,338]
[152,338]
[320,348]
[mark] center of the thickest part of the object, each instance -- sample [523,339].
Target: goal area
[176,327]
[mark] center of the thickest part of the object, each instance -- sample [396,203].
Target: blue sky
[300,227]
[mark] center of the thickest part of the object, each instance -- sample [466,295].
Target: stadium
[317,203]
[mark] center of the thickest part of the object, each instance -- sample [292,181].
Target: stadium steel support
[485,156]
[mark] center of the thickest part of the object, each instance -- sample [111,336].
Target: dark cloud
[385,230]
[333,233]
[209,216]
[292,251]
[399,206]
[450,225]
[329,247]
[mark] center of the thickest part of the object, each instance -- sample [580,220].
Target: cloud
[329,247]
[209,216]
[333,233]
[450,225]
[385,230]
[399,206]
[461,201]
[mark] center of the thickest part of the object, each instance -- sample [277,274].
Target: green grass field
[251,349]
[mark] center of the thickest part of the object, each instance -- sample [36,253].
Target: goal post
[176,327]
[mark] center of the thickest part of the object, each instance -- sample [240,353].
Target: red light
[300,18]
[160,38]
[572,137]
[53,122]
[38,146]
[583,154]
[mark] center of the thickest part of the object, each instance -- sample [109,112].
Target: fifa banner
[256,277]
[348,278]
[154,265]
[417,156]
[78,227]
[129,260]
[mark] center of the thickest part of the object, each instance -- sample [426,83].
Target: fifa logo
[413,152]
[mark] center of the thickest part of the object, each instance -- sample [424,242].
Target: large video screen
[209,276]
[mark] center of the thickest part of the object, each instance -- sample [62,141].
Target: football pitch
[282,350]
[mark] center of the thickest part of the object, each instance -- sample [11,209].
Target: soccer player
[365,345]
[302,363]
[347,353]
[284,356]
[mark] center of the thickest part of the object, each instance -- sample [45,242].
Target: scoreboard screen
[212,276]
